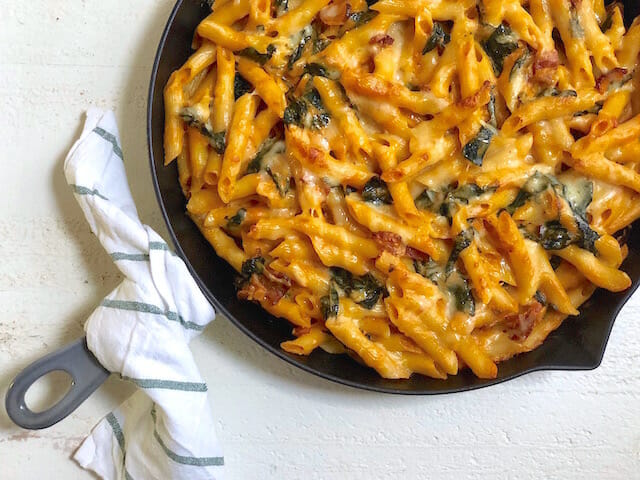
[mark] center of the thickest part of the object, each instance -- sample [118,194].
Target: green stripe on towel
[117,432]
[168,384]
[148,308]
[184,460]
[80,190]
[161,246]
[158,246]
[134,257]
[109,137]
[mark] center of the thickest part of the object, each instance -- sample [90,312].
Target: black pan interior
[578,344]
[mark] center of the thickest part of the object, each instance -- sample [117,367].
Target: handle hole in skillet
[48,390]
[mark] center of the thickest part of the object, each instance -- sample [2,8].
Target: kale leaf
[240,86]
[365,290]
[429,269]
[459,287]
[462,241]
[376,191]
[237,219]
[253,265]
[256,163]
[475,150]
[330,304]
[305,36]
[439,38]
[554,236]
[318,70]
[500,45]
[252,54]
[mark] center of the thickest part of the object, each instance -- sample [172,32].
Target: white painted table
[57,57]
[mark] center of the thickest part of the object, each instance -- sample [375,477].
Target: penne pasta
[426,185]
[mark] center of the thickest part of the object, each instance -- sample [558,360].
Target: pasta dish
[425,185]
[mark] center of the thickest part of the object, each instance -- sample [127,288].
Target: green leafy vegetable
[449,277]
[429,269]
[475,150]
[298,111]
[281,6]
[554,92]
[357,19]
[362,17]
[466,192]
[319,70]
[463,241]
[252,54]
[305,36]
[608,22]
[253,265]
[445,202]
[540,297]
[281,182]
[459,196]
[618,79]
[320,120]
[376,191]
[429,200]
[314,98]
[593,110]
[536,184]
[295,112]
[439,38]
[491,107]
[458,285]
[240,86]
[191,117]
[553,236]
[524,231]
[330,304]
[319,41]
[519,64]
[588,237]
[343,278]
[320,44]
[216,140]
[500,45]
[256,164]
[579,194]
[237,219]
[366,291]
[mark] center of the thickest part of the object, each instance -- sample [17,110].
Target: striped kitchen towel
[142,330]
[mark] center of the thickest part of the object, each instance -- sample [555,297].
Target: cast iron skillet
[578,344]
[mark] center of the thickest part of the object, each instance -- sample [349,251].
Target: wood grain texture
[58,57]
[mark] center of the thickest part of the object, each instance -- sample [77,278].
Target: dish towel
[142,330]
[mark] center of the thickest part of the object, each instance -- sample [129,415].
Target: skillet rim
[221,309]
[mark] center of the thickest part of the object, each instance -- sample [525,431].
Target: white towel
[142,330]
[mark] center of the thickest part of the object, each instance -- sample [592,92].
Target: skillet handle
[75,359]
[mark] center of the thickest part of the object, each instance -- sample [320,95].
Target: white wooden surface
[57,57]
